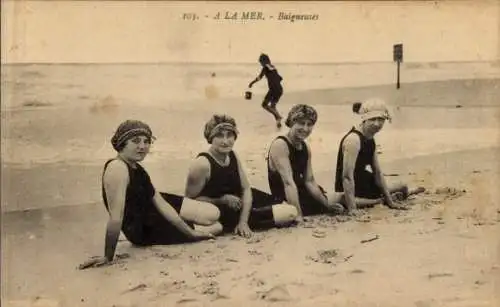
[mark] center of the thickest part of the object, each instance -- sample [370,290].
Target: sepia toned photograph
[250,153]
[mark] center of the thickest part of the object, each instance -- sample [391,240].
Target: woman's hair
[264,58]
[301,111]
[356,106]
[217,123]
[127,130]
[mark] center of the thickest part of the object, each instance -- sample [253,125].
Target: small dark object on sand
[391,175]
[376,237]
[135,288]
[434,275]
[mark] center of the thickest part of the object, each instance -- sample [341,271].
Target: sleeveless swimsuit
[298,160]
[364,181]
[142,223]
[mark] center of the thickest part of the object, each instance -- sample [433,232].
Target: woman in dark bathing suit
[135,207]
[290,171]
[289,166]
[275,89]
[218,176]
[358,173]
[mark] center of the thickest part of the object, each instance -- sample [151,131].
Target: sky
[155,31]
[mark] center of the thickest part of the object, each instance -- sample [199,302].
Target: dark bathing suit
[142,223]
[274,82]
[298,160]
[365,185]
[226,180]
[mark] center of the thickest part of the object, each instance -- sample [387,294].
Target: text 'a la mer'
[253,15]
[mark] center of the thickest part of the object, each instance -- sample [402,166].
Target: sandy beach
[445,251]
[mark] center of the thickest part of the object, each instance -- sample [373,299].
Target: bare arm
[246,198]
[198,175]
[380,180]
[278,154]
[311,183]
[350,148]
[115,179]
[172,216]
[260,76]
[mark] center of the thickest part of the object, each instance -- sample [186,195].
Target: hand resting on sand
[100,261]
[243,230]
[95,262]
[396,201]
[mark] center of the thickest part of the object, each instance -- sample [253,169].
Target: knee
[335,197]
[291,212]
[284,214]
[209,216]
[213,214]
[216,228]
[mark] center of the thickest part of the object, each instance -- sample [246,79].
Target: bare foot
[416,191]
[398,196]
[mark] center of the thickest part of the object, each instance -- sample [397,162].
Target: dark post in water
[398,57]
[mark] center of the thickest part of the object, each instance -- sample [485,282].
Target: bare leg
[214,229]
[398,188]
[276,113]
[416,190]
[398,192]
[198,212]
[271,108]
[338,198]
[284,214]
[401,191]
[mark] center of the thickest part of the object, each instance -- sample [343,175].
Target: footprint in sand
[254,252]
[208,274]
[277,294]
[319,233]
[328,256]
[138,287]
[254,239]
[438,275]
[185,302]
[450,191]
[210,287]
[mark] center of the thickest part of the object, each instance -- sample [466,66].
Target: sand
[445,251]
